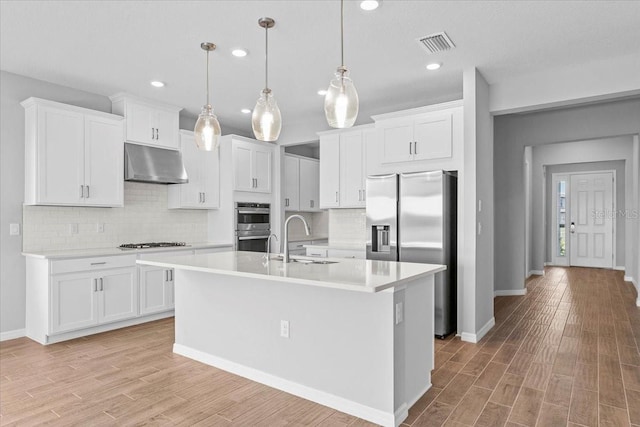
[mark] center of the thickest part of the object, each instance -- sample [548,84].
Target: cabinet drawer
[88,264]
[321,253]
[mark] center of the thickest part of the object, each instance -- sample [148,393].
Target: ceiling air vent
[437,42]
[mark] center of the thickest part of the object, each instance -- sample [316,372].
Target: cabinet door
[292,183]
[309,185]
[433,137]
[242,167]
[60,157]
[104,140]
[154,296]
[210,179]
[73,302]
[262,169]
[351,170]
[140,123]
[397,143]
[166,129]
[118,295]
[330,171]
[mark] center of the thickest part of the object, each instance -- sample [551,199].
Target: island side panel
[341,342]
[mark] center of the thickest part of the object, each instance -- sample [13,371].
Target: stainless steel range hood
[152,164]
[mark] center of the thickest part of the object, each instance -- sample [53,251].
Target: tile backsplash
[144,218]
[348,228]
[318,222]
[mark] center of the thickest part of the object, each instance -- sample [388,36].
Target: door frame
[550,233]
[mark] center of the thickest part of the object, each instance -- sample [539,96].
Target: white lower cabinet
[156,289]
[81,300]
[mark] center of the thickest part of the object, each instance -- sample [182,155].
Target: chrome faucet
[268,255]
[286,235]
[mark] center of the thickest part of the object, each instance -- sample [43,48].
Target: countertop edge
[97,252]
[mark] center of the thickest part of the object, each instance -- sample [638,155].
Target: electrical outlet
[100,227]
[399,313]
[284,328]
[14,229]
[73,228]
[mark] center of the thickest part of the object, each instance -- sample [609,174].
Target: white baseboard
[474,338]
[536,272]
[547,263]
[509,292]
[336,402]
[619,268]
[629,279]
[12,335]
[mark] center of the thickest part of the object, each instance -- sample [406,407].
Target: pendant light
[207,130]
[266,120]
[341,100]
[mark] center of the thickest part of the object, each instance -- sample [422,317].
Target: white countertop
[94,252]
[348,274]
[341,248]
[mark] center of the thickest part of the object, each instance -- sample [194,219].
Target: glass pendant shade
[207,130]
[266,120]
[341,101]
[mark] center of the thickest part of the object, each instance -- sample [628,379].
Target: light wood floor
[564,354]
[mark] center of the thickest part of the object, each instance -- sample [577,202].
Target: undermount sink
[303,261]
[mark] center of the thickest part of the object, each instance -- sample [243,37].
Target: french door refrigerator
[412,217]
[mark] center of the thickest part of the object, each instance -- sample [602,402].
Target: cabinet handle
[153,134]
[157,134]
[82,191]
[256,182]
[410,147]
[99,263]
[95,285]
[199,197]
[101,285]
[286,202]
[364,195]
[336,197]
[415,147]
[87,191]
[312,203]
[172,275]
[204,197]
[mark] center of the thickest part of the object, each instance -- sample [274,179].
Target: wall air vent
[438,42]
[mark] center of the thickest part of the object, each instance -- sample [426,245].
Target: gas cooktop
[151,245]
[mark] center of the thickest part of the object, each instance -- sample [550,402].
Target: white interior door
[591,220]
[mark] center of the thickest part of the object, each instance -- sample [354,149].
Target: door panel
[262,169]
[104,161]
[396,144]
[330,171]
[292,182]
[592,220]
[119,295]
[73,302]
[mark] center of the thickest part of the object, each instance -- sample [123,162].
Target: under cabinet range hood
[143,163]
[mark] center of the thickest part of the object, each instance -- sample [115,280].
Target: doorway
[583,225]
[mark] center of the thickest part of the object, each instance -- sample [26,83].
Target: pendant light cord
[207,78]
[342,32]
[266,57]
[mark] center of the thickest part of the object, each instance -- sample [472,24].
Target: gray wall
[619,167]
[512,133]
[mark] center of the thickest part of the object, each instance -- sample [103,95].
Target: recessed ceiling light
[245,111]
[434,66]
[239,52]
[157,83]
[322,92]
[369,4]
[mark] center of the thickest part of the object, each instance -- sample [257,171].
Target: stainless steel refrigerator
[412,217]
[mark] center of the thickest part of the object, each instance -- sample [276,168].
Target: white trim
[629,279]
[546,264]
[619,268]
[509,292]
[402,413]
[474,338]
[52,339]
[336,402]
[12,335]
[536,272]
[550,234]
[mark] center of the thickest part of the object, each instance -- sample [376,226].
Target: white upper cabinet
[343,168]
[74,156]
[309,185]
[291,185]
[148,122]
[203,169]
[301,184]
[423,138]
[252,166]
[330,170]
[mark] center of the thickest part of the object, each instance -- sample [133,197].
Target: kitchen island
[354,335]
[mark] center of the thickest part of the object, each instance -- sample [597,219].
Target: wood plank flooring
[564,354]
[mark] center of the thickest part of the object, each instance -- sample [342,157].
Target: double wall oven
[252,226]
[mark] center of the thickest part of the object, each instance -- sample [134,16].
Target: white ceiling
[106,47]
